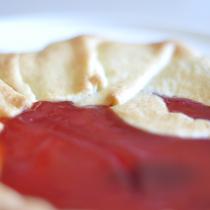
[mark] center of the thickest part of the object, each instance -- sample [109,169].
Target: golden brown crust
[183,50]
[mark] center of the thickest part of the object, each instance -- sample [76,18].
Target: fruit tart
[94,124]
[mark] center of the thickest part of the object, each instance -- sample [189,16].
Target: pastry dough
[130,67]
[187,76]
[84,66]
[11,102]
[149,112]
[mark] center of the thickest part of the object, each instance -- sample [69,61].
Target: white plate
[32,33]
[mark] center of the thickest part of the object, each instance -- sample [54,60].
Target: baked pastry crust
[149,111]
[90,71]
[187,76]
[80,67]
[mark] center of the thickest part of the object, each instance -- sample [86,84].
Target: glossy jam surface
[1,158]
[191,108]
[88,158]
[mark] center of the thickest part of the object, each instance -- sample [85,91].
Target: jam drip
[88,158]
[193,109]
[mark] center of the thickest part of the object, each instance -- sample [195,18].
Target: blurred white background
[31,24]
[181,14]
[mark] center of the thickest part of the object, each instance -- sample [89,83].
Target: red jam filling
[1,157]
[88,158]
[191,108]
